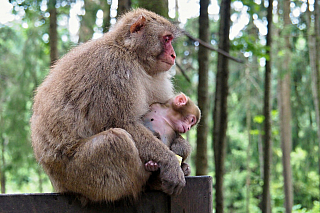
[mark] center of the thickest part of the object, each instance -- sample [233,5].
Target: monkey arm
[150,147]
[181,147]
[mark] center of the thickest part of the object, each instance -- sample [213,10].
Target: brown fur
[86,127]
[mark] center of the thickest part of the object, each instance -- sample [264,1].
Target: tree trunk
[286,137]
[248,123]
[176,17]
[160,7]
[253,31]
[260,150]
[3,165]
[317,32]
[40,180]
[266,203]
[285,112]
[220,113]
[53,33]
[106,15]
[88,20]
[314,48]
[203,101]
[123,6]
[317,35]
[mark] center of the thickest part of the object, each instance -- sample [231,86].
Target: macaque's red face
[184,124]
[186,114]
[167,56]
[156,52]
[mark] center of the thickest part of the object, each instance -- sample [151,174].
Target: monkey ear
[180,100]
[138,25]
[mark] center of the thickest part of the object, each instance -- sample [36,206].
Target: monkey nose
[173,56]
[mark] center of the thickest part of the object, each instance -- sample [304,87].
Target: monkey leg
[154,182]
[106,167]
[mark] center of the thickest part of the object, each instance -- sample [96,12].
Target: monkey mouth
[182,129]
[171,63]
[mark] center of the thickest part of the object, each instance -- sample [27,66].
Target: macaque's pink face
[186,114]
[184,124]
[163,53]
[167,56]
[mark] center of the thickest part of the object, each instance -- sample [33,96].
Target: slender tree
[2,146]
[314,54]
[3,165]
[220,115]
[285,110]
[88,20]
[249,73]
[176,10]
[266,204]
[123,6]
[203,102]
[317,35]
[160,7]
[53,33]
[248,124]
[105,6]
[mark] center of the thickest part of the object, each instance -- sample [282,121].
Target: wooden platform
[196,197]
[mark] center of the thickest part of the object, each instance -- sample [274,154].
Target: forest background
[259,135]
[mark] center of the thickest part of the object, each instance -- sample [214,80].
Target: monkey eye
[192,120]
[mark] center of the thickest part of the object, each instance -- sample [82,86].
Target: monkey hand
[186,169]
[172,177]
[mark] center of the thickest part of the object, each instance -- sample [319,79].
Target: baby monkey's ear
[138,26]
[180,100]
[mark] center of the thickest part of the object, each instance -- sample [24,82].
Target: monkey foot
[151,166]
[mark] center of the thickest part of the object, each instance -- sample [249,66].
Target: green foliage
[299,209]
[24,62]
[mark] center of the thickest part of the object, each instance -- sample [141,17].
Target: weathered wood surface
[196,197]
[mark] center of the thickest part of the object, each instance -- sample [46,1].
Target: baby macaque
[167,120]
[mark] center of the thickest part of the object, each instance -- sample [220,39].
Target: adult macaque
[167,120]
[86,125]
